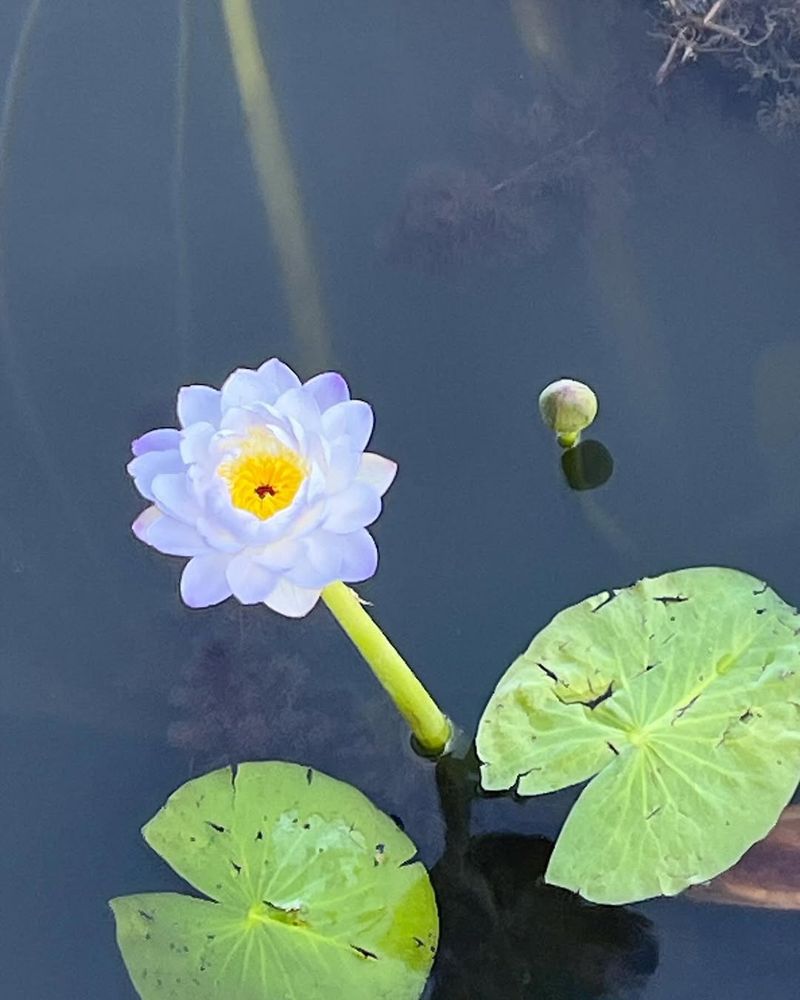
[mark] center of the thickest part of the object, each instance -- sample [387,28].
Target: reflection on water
[655,251]
[769,873]
[505,934]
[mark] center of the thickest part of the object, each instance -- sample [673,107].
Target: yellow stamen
[265,476]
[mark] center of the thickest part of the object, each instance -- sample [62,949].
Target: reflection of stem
[183,299]
[10,360]
[279,188]
[428,723]
[541,37]
[457,781]
[608,527]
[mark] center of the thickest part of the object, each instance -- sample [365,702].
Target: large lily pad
[681,696]
[314,895]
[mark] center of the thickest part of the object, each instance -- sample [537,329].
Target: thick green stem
[429,724]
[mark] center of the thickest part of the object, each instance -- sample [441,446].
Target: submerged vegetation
[536,162]
[675,700]
[757,40]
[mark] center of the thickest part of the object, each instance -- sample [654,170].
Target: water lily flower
[266,487]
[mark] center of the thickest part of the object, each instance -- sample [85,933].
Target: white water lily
[266,487]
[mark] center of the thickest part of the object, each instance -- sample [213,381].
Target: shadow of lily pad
[507,934]
[680,698]
[311,888]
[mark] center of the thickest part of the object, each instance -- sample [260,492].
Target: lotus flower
[266,487]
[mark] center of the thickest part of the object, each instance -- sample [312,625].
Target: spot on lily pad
[296,901]
[680,698]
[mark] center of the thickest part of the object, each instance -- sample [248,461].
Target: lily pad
[680,698]
[312,893]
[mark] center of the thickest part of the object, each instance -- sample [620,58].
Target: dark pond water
[666,275]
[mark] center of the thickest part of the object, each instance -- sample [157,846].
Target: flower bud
[567,407]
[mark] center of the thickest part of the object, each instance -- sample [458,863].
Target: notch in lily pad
[679,698]
[308,885]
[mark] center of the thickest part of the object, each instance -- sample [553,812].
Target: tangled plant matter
[759,39]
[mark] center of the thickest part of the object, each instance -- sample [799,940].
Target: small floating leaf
[681,695]
[310,885]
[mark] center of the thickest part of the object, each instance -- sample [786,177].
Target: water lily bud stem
[569,440]
[430,726]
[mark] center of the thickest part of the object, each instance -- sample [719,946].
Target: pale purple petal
[279,555]
[352,419]
[360,556]
[199,404]
[243,420]
[246,386]
[241,388]
[161,439]
[277,377]
[328,389]
[217,536]
[143,522]
[353,508]
[343,466]
[174,496]
[144,468]
[204,581]
[173,538]
[324,553]
[292,601]
[195,442]
[301,407]
[249,582]
[377,471]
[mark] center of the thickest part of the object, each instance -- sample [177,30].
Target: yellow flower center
[265,476]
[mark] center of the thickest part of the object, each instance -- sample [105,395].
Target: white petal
[324,553]
[199,404]
[162,439]
[352,419]
[249,582]
[377,471]
[174,496]
[241,420]
[328,388]
[195,441]
[217,536]
[277,377]
[143,522]
[246,386]
[279,555]
[144,468]
[353,508]
[204,582]
[241,388]
[173,538]
[301,407]
[360,556]
[292,601]
[343,465]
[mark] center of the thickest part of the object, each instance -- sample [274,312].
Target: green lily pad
[312,894]
[682,695]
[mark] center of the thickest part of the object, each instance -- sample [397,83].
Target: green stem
[429,724]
